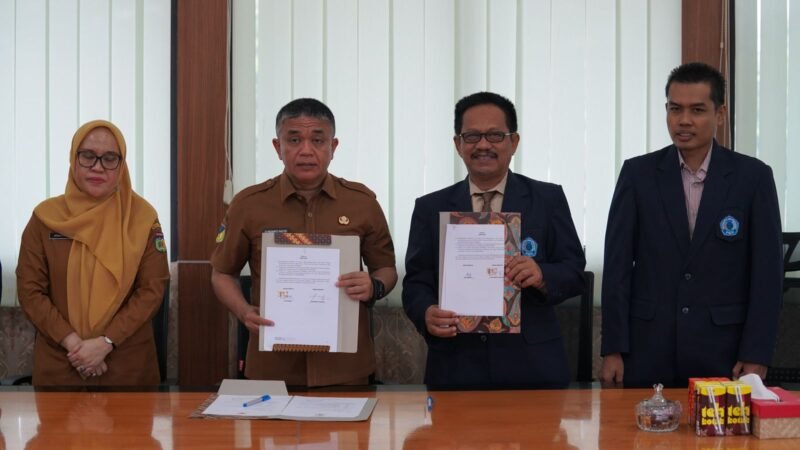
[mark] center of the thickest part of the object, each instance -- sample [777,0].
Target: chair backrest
[242,334]
[160,327]
[576,318]
[791,252]
[785,366]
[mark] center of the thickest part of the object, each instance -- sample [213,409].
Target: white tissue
[760,392]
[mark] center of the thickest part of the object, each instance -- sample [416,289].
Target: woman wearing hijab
[92,271]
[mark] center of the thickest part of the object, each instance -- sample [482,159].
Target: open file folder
[298,272]
[229,401]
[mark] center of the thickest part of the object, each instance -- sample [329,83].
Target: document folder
[510,320]
[337,332]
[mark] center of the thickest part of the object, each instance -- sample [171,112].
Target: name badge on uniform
[275,230]
[529,247]
[729,226]
[58,237]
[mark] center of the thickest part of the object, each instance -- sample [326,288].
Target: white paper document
[474,263]
[289,407]
[301,296]
[231,405]
[329,407]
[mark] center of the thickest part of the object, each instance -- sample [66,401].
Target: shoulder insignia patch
[221,234]
[355,186]
[159,243]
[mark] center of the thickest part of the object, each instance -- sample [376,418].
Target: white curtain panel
[587,78]
[63,63]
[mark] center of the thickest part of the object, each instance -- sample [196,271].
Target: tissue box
[777,419]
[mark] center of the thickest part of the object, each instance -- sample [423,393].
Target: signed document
[302,296]
[299,293]
[474,258]
[473,247]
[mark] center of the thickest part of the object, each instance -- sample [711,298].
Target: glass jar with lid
[657,413]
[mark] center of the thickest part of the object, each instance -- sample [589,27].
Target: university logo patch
[729,226]
[221,234]
[529,247]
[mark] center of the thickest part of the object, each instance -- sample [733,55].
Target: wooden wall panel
[203,325]
[702,32]
[200,110]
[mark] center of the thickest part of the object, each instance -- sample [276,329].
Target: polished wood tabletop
[574,418]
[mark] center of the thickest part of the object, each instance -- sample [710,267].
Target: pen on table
[256,401]
[430,403]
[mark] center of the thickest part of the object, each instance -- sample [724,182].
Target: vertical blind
[767,87]
[63,63]
[587,78]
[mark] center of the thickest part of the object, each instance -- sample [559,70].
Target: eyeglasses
[108,161]
[492,136]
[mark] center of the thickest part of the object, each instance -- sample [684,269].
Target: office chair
[791,260]
[242,334]
[160,333]
[578,340]
[786,361]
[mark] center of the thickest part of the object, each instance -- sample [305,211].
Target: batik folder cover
[510,321]
[346,313]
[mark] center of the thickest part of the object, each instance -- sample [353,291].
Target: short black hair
[486,98]
[309,107]
[697,72]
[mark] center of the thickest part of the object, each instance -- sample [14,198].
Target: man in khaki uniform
[305,198]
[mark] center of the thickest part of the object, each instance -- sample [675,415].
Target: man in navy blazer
[549,271]
[693,256]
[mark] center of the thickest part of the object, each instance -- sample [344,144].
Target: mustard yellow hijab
[109,239]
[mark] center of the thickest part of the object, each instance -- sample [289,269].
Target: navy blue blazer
[533,358]
[677,307]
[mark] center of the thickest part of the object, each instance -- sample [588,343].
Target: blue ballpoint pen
[256,401]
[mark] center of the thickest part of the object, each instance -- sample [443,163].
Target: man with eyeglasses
[548,270]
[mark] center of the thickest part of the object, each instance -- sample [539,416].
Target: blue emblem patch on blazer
[529,247]
[729,226]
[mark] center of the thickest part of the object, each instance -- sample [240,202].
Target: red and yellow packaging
[710,409]
[693,395]
[737,410]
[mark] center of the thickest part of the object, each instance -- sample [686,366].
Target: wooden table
[579,418]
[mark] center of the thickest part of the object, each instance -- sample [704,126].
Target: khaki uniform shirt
[42,290]
[342,208]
